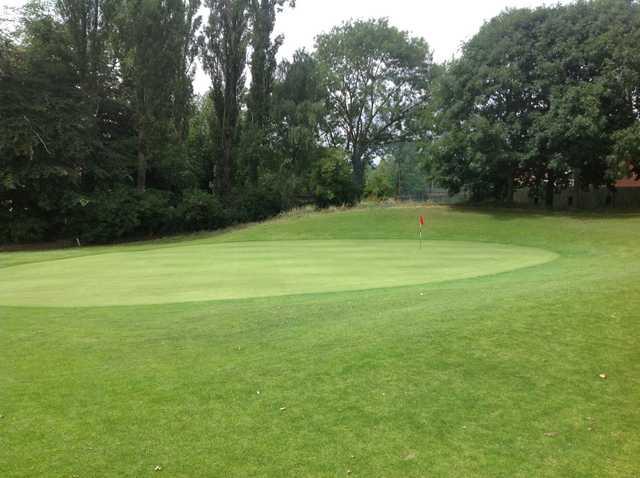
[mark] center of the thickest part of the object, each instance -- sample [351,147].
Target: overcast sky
[445,24]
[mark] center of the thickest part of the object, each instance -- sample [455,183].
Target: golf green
[202,272]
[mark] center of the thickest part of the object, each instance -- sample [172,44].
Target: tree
[96,101]
[536,100]
[376,77]
[332,182]
[44,145]
[84,21]
[298,108]
[583,54]
[190,45]
[225,58]
[153,41]
[487,101]
[263,69]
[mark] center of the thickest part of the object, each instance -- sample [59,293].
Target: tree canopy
[376,77]
[543,98]
[102,136]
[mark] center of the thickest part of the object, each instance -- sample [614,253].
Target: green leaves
[376,77]
[537,99]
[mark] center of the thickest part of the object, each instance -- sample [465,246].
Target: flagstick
[420,236]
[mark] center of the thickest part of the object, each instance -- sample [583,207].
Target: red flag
[422,220]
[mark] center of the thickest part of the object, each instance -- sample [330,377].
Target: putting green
[201,272]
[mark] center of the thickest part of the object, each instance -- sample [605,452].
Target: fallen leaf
[283,409]
[411,456]
[604,376]
[551,434]
[158,468]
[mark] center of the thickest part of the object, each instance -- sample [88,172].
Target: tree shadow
[502,212]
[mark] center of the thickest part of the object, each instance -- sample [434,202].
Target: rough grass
[488,376]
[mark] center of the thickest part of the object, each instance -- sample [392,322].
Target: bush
[261,202]
[380,182]
[333,182]
[108,216]
[200,210]
[26,230]
[121,213]
[156,213]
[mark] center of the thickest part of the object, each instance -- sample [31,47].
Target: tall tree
[376,78]
[298,109]
[225,58]
[153,39]
[84,21]
[537,99]
[488,100]
[44,145]
[263,68]
[190,44]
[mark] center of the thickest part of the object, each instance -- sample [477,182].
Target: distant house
[628,183]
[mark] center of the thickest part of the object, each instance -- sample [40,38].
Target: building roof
[628,183]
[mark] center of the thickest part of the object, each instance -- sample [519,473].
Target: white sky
[445,24]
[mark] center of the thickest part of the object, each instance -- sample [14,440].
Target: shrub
[156,213]
[199,210]
[108,216]
[380,182]
[26,229]
[333,182]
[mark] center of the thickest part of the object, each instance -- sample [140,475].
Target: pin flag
[420,233]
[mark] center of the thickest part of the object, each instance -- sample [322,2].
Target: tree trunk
[142,161]
[227,159]
[358,173]
[549,192]
[95,48]
[254,158]
[510,190]
[577,187]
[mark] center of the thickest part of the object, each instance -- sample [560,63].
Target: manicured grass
[187,273]
[491,375]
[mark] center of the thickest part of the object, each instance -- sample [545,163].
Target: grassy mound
[492,375]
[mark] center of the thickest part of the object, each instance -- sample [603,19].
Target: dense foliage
[102,137]
[376,78]
[546,99]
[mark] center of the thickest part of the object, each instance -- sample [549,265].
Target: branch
[37,135]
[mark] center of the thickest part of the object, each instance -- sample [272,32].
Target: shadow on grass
[502,212]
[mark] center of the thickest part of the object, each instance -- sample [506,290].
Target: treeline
[103,138]
[543,99]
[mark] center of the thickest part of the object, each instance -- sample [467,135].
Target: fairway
[253,269]
[329,345]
